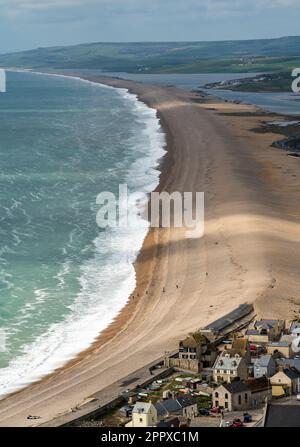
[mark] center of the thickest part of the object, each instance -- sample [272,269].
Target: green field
[165,57]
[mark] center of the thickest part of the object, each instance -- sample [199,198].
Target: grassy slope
[175,57]
[273,82]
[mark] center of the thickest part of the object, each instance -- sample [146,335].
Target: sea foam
[105,287]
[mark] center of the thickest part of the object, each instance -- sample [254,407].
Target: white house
[144,414]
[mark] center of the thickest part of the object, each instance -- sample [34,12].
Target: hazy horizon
[147,41]
[29,24]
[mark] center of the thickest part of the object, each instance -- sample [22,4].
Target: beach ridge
[249,252]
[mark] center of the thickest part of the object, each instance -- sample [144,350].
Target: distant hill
[166,57]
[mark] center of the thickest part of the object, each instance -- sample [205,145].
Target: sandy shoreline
[250,252]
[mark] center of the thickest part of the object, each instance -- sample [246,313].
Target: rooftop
[295,325]
[193,340]
[265,323]
[253,332]
[142,407]
[257,385]
[282,416]
[228,361]
[292,363]
[236,387]
[291,373]
[174,405]
[281,344]
[263,361]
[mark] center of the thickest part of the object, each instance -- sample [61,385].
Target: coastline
[142,176]
[167,257]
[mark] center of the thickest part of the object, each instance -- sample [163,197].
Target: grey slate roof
[236,387]
[292,363]
[174,405]
[266,323]
[227,362]
[141,407]
[167,406]
[170,422]
[282,416]
[252,332]
[223,322]
[263,361]
[292,374]
[186,401]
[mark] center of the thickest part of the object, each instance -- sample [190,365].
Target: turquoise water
[280,102]
[62,279]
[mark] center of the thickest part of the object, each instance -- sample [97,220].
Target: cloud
[30,9]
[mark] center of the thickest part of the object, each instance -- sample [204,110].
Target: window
[226,404]
[246,397]
[216,394]
[240,399]
[141,420]
[226,395]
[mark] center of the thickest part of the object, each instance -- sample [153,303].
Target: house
[195,353]
[282,415]
[283,348]
[263,331]
[228,367]
[264,366]
[144,414]
[239,346]
[295,329]
[291,363]
[126,411]
[170,422]
[234,396]
[181,406]
[286,382]
[261,391]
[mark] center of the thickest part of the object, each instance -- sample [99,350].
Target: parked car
[298,396]
[215,410]
[237,423]
[247,418]
[204,412]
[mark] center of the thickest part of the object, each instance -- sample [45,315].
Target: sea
[63,279]
[63,141]
[277,102]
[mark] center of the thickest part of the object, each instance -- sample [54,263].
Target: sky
[27,24]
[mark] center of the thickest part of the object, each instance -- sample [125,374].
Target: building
[295,329]
[195,353]
[282,415]
[264,366]
[144,414]
[229,367]
[263,331]
[286,382]
[239,346]
[234,396]
[185,406]
[283,348]
[261,391]
[170,422]
[291,363]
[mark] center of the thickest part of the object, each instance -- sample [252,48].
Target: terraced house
[229,367]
